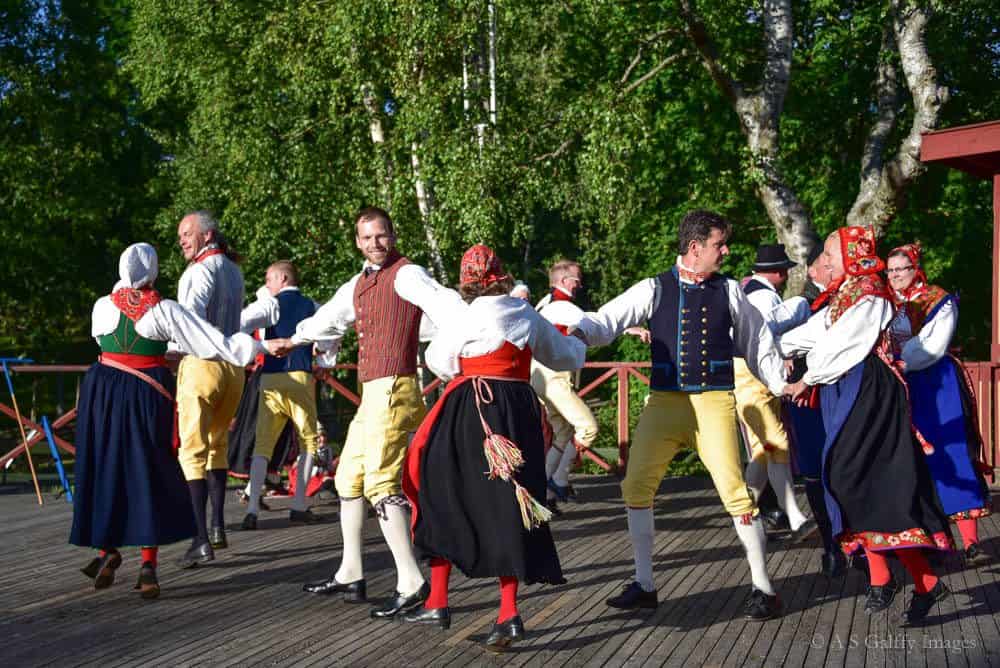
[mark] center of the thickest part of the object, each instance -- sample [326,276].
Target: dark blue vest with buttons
[692,335]
[295,307]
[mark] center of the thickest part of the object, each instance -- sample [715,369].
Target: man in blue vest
[287,392]
[698,320]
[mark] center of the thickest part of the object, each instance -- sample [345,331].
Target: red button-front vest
[388,326]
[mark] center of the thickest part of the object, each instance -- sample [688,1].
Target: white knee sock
[640,530]
[756,476]
[755,542]
[561,475]
[396,529]
[258,472]
[352,524]
[302,481]
[552,459]
[780,476]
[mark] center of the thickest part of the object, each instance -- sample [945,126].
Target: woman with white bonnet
[129,487]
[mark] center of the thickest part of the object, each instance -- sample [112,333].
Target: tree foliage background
[286,116]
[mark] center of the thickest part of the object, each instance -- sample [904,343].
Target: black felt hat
[771,257]
[814,254]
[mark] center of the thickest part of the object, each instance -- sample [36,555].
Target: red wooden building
[975,150]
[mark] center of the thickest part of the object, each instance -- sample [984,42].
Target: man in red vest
[384,303]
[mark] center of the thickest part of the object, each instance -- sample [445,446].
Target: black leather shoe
[399,603]
[775,520]
[105,569]
[834,564]
[92,568]
[439,616]
[921,604]
[147,586]
[354,592]
[249,522]
[806,529]
[553,507]
[303,517]
[880,596]
[197,554]
[504,634]
[562,493]
[760,606]
[217,538]
[634,597]
[975,555]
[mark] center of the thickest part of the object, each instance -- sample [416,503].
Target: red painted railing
[985,377]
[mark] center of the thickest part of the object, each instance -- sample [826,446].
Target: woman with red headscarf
[475,471]
[943,406]
[879,494]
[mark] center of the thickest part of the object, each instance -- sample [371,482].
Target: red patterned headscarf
[481,266]
[861,266]
[919,285]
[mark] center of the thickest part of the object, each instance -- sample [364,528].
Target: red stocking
[508,599]
[878,568]
[969,530]
[916,563]
[440,572]
[149,554]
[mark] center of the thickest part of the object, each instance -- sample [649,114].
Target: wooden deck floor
[246,608]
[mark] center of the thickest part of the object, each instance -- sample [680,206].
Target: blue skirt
[129,489]
[940,412]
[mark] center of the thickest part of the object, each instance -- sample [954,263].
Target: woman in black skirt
[878,490]
[129,485]
[475,472]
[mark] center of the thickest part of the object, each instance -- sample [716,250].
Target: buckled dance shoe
[147,586]
[634,597]
[197,554]
[880,596]
[102,569]
[504,634]
[354,592]
[217,538]
[440,617]
[921,604]
[562,493]
[761,607]
[399,603]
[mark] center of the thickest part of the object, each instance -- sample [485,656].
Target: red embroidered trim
[853,290]
[920,304]
[879,540]
[973,514]
[135,302]
[209,253]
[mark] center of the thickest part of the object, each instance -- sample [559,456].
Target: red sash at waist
[135,361]
[507,362]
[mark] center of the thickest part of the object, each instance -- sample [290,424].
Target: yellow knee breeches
[705,421]
[371,463]
[284,396]
[760,412]
[208,393]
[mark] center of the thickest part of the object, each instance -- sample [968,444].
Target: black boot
[921,604]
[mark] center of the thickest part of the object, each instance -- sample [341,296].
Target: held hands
[641,332]
[789,368]
[798,393]
[279,347]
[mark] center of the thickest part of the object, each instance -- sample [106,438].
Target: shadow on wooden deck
[247,607]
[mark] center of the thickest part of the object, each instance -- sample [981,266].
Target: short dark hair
[697,226]
[288,269]
[373,213]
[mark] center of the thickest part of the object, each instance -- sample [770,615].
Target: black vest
[692,335]
[753,285]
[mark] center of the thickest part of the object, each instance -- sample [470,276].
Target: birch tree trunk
[378,139]
[759,113]
[884,181]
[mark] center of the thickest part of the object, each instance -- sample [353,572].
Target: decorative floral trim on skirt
[877,540]
[971,514]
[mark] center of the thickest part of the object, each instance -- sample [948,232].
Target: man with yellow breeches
[287,392]
[208,391]
[698,321]
[574,427]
